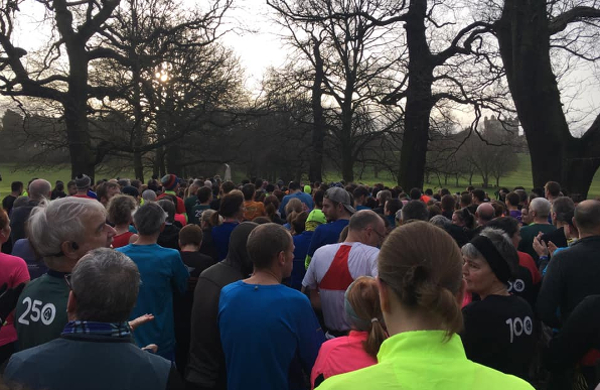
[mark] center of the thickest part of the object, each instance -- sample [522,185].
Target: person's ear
[70,250]
[71,303]
[162,227]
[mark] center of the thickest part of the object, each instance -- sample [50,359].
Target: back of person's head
[124,182]
[465,200]
[433,210]
[587,217]
[440,221]
[169,207]
[552,188]
[248,190]
[512,199]
[298,221]
[231,205]
[448,202]
[52,223]
[266,242]
[564,208]
[227,187]
[486,212]
[293,207]
[383,196]
[149,195]
[363,219]
[120,209]
[204,194]
[318,198]
[479,194]
[360,191]
[105,284]
[499,208]
[465,216]
[190,235]
[363,310]
[415,210]
[294,185]
[393,205]
[541,206]
[149,219]
[508,225]
[207,218]
[271,205]
[17,186]
[415,194]
[422,266]
[39,189]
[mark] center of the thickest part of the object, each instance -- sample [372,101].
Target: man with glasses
[61,232]
[334,267]
[95,349]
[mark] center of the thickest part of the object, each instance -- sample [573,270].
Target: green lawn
[522,176]
[10,174]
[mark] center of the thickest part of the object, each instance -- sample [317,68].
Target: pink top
[341,355]
[181,219]
[13,270]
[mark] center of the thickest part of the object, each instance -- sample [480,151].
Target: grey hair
[149,195]
[105,283]
[440,221]
[541,206]
[363,219]
[501,242]
[52,223]
[39,189]
[149,218]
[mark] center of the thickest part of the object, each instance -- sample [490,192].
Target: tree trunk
[524,41]
[138,166]
[83,159]
[315,171]
[418,99]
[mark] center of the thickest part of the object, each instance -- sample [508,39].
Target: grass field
[521,176]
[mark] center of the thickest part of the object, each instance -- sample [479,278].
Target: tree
[86,33]
[345,52]
[528,33]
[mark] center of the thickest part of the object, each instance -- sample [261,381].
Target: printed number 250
[37,311]
[518,326]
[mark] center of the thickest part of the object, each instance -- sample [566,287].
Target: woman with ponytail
[420,293]
[359,349]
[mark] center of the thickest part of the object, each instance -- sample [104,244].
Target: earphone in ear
[75,246]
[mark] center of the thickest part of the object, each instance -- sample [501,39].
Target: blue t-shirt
[263,329]
[301,243]
[220,236]
[326,234]
[304,198]
[162,271]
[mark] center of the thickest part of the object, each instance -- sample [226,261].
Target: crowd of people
[207,284]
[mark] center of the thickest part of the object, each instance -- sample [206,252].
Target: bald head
[587,217]
[39,189]
[363,219]
[485,213]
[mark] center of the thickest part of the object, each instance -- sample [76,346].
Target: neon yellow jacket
[421,360]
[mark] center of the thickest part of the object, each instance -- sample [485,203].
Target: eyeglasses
[381,236]
[68,281]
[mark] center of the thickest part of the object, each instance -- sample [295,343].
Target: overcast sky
[262,48]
